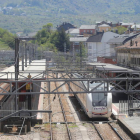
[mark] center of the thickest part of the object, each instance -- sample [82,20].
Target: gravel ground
[106,132]
[121,131]
[75,131]
[59,130]
[92,133]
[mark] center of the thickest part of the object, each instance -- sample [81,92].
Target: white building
[73,32]
[97,45]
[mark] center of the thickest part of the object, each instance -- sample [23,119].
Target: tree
[62,39]
[52,39]
[48,27]
[120,29]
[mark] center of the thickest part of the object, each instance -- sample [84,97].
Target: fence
[123,106]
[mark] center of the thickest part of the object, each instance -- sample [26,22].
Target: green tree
[62,39]
[48,27]
[52,39]
[120,29]
[7,37]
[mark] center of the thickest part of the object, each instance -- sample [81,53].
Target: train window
[98,99]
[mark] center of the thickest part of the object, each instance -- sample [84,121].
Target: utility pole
[65,49]
[22,56]
[25,54]
[17,41]
[80,55]
[73,52]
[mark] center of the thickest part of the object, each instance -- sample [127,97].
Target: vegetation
[120,30]
[53,40]
[7,40]
[31,15]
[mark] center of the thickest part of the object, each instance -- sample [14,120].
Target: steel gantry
[64,72]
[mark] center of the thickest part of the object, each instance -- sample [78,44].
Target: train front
[100,104]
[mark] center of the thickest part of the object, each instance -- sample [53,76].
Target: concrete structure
[75,43]
[98,46]
[104,27]
[129,54]
[73,32]
[88,30]
[126,25]
[7,55]
[110,60]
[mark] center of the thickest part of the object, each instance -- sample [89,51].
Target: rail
[97,131]
[116,132]
[103,136]
[65,119]
[50,120]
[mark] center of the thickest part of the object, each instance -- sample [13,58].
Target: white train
[95,105]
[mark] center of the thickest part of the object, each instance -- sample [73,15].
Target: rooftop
[109,67]
[78,39]
[127,23]
[127,45]
[104,25]
[87,26]
[118,40]
[95,38]
[137,26]
[75,31]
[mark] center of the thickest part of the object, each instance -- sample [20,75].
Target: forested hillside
[33,14]
[78,6]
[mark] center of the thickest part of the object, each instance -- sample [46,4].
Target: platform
[36,69]
[130,124]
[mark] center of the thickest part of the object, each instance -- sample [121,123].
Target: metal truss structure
[123,82]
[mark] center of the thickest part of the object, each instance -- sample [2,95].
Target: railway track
[62,127]
[106,131]
[64,115]
[50,119]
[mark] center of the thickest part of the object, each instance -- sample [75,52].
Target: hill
[28,15]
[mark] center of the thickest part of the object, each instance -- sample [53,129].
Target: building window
[76,43]
[84,31]
[89,47]
[91,31]
[89,54]
[87,31]
[139,61]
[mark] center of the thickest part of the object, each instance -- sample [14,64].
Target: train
[95,105]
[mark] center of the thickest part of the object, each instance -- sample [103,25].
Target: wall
[106,60]
[7,55]
[105,29]
[88,31]
[94,50]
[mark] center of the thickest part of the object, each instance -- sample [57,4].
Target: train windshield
[99,99]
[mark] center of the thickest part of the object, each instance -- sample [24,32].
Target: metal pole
[29,55]
[25,54]
[73,51]
[80,55]
[33,52]
[22,57]
[16,58]
[16,97]
[17,41]
[65,49]
[41,52]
